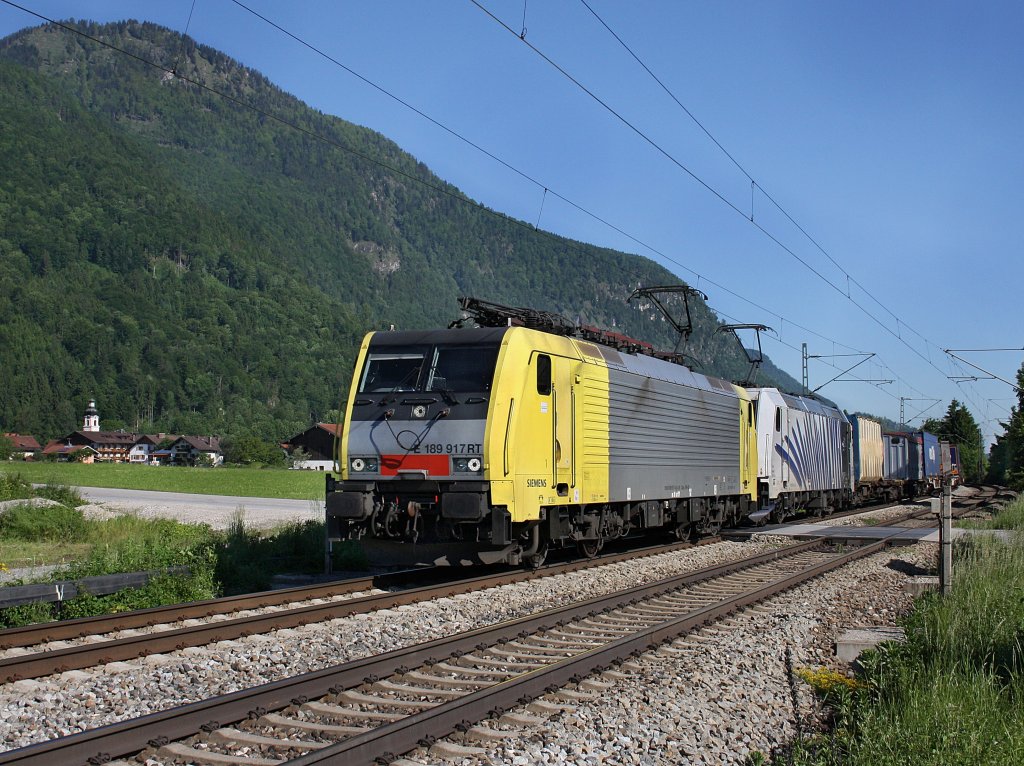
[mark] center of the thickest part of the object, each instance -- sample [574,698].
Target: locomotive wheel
[536,560]
[588,548]
[711,527]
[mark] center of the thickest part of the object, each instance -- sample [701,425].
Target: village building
[109,446]
[140,449]
[23,447]
[196,450]
[147,449]
[315,446]
[65,451]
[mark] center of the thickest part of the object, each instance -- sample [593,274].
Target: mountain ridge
[219,267]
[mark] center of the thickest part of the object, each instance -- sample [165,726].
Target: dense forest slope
[197,267]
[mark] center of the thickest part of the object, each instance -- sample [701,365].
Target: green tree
[6,448]
[1006,459]
[251,450]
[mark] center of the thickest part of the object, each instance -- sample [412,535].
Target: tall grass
[235,561]
[248,558]
[55,524]
[120,544]
[952,693]
[1010,516]
[13,486]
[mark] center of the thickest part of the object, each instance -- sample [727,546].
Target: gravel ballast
[725,697]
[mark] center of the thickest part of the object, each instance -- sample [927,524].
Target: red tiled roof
[61,448]
[23,443]
[202,443]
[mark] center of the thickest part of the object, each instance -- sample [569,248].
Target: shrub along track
[366,711]
[90,651]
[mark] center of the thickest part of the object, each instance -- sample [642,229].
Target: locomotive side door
[557,406]
[563,406]
[781,431]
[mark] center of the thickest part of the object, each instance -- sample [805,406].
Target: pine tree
[959,427]
[1006,459]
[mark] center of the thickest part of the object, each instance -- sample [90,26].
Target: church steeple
[91,422]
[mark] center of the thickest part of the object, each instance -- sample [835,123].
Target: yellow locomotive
[496,443]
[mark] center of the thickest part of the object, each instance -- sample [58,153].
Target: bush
[248,559]
[251,450]
[62,494]
[130,544]
[54,523]
[13,487]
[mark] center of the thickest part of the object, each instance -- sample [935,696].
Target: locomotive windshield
[455,368]
[391,372]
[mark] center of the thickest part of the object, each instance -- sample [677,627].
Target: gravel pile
[730,696]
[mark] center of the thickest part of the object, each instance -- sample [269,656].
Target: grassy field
[1009,517]
[224,480]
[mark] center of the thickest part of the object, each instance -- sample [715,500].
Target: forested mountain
[199,267]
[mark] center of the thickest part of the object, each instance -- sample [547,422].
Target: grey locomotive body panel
[672,433]
[404,437]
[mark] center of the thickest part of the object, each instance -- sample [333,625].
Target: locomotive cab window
[778,418]
[391,372]
[543,374]
[462,369]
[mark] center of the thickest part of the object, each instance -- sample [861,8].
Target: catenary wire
[727,202]
[539,184]
[396,170]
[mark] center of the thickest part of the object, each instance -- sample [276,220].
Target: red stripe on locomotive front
[434,465]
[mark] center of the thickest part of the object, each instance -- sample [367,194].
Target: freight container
[902,460]
[931,467]
[867,450]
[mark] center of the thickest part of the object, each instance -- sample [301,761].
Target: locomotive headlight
[360,464]
[466,464]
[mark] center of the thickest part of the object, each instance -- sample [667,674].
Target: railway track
[210,621]
[373,709]
[79,644]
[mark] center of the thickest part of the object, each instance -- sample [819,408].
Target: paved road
[215,510]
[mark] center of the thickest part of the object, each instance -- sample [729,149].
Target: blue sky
[889,132]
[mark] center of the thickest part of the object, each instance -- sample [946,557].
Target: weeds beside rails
[951,694]
[110,546]
[239,560]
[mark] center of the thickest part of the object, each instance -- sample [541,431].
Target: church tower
[92,417]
